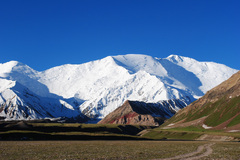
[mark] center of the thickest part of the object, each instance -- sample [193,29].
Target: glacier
[96,88]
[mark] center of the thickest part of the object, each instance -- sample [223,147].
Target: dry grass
[36,150]
[92,149]
[225,150]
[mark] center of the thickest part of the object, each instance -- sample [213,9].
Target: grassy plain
[38,150]
[94,141]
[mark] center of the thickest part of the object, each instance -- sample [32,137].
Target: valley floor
[36,150]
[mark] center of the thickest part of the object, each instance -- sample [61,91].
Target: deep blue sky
[47,33]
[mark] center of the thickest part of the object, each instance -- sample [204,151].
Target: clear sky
[48,33]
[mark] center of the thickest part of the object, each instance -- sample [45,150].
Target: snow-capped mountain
[98,87]
[17,102]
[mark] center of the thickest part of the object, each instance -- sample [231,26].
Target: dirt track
[194,155]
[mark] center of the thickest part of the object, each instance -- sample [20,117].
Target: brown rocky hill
[218,109]
[141,113]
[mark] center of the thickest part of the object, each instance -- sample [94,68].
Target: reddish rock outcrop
[135,113]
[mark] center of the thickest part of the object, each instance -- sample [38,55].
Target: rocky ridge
[141,113]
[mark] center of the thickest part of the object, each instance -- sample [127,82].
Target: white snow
[206,127]
[5,84]
[210,74]
[98,87]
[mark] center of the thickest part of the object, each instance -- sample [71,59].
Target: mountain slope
[19,103]
[218,109]
[141,113]
[97,88]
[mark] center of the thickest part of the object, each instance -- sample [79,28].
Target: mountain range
[94,89]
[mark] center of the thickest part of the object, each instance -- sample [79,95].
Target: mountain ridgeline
[93,90]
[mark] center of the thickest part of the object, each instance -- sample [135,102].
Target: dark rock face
[141,113]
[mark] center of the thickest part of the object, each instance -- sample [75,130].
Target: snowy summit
[96,88]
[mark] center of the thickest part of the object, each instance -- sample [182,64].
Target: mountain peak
[102,85]
[133,59]
[17,70]
[173,55]
[140,62]
[176,58]
[8,66]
